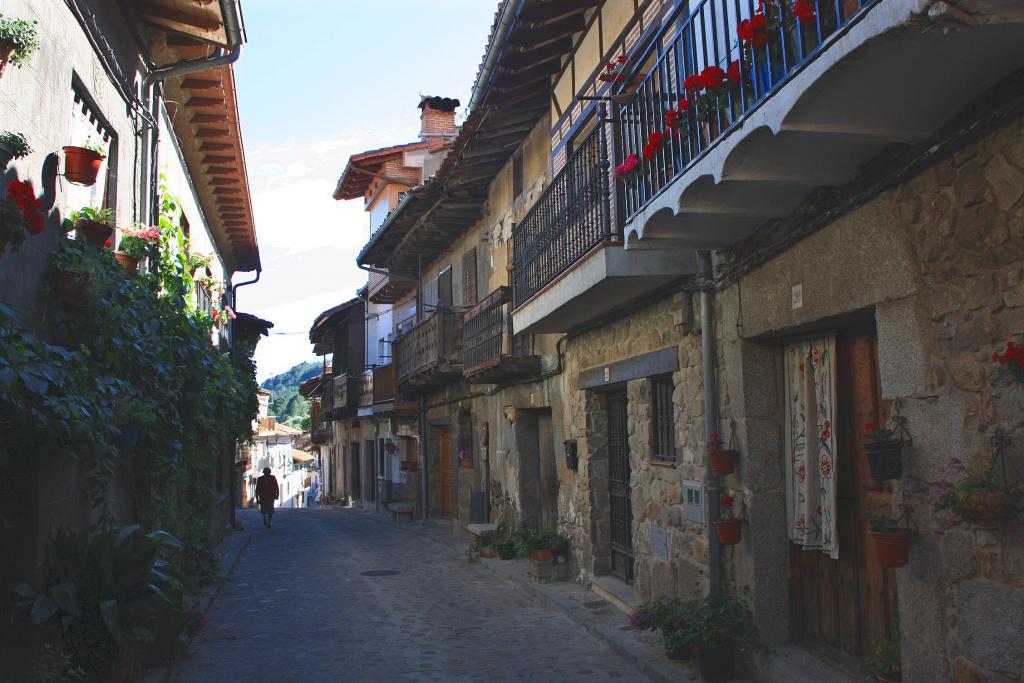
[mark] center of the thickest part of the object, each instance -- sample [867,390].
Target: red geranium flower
[734,72]
[803,12]
[757,21]
[671,118]
[727,501]
[656,137]
[107,244]
[744,31]
[683,104]
[627,167]
[649,151]
[622,59]
[760,39]
[870,427]
[712,77]
[693,83]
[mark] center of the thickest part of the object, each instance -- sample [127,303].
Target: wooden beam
[223,180]
[200,119]
[159,12]
[215,146]
[227,190]
[231,200]
[218,159]
[213,133]
[221,170]
[205,102]
[192,83]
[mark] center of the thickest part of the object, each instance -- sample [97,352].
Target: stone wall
[938,263]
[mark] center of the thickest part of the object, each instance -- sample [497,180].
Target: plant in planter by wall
[196,260]
[137,244]
[542,546]
[723,460]
[974,495]
[1012,359]
[12,146]
[669,616]
[719,625]
[505,546]
[883,448]
[465,458]
[614,71]
[729,527]
[96,225]
[19,40]
[886,661]
[12,226]
[891,535]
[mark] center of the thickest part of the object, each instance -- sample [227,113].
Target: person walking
[314,488]
[267,492]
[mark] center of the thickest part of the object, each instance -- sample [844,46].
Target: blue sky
[320,80]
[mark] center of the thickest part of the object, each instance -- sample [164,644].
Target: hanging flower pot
[984,507]
[95,233]
[884,461]
[67,287]
[892,546]
[81,165]
[723,461]
[130,265]
[730,531]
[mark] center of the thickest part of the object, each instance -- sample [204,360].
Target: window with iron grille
[663,443]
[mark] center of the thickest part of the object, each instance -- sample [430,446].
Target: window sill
[667,464]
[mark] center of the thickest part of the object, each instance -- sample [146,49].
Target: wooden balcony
[431,352]
[319,426]
[344,391]
[491,351]
[385,289]
[377,388]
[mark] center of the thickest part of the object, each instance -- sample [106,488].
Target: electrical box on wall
[693,501]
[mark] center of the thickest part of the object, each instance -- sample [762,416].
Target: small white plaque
[798,296]
[607,374]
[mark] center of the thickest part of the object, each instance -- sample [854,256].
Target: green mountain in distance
[286,404]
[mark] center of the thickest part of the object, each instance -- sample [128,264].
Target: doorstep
[616,591]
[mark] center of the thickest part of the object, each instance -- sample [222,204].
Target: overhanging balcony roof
[901,72]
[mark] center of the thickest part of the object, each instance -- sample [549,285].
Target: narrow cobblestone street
[300,606]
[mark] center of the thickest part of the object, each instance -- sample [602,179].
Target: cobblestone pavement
[300,607]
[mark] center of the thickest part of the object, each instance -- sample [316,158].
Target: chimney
[437,117]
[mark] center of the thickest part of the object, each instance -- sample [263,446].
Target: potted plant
[538,545]
[96,225]
[975,497]
[728,526]
[19,40]
[718,626]
[723,460]
[505,547]
[669,616]
[466,459]
[882,449]
[135,245]
[12,226]
[196,260]
[892,541]
[12,146]
[82,164]
[886,662]
[1012,359]
[71,274]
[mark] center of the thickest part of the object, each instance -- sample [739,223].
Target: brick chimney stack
[437,117]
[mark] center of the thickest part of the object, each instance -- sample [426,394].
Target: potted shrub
[96,225]
[135,245]
[505,547]
[539,545]
[718,626]
[892,541]
[886,662]
[975,497]
[723,460]
[882,449]
[669,616]
[82,164]
[12,146]
[19,40]
[466,459]
[728,526]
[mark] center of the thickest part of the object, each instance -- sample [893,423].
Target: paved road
[299,607]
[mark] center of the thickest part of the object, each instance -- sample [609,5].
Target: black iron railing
[568,220]
[733,54]
[434,341]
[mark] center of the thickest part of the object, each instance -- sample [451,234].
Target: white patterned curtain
[810,438]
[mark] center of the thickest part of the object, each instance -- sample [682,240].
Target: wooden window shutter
[469,293]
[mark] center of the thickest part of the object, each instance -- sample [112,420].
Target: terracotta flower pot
[81,165]
[542,554]
[984,507]
[5,56]
[892,547]
[884,461]
[489,553]
[95,233]
[730,531]
[130,265]
[467,464]
[723,461]
[67,288]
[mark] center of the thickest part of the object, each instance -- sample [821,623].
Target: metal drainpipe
[707,340]
[424,487]
[234,355]
[509,15]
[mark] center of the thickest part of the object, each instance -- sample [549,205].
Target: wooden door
[844,607]
[447,473]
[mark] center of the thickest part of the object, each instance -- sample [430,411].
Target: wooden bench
[400,512]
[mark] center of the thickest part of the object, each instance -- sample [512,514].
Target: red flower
[693,83]
[683,104]
[35,224]
[760,39]
[803,12]
[107,244]
[649,151]
[727,501]
[712,77]
[671,118]
[744,31]
[714,437]
[734,72]
[870,427]
[23,195]
[757,21]
[826,468]
[656,137]
[627,167]
[622,59]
